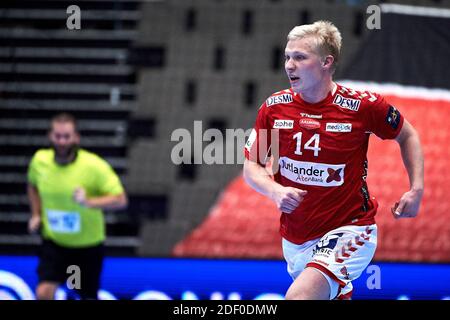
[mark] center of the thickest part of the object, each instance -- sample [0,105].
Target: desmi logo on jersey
[347,103]
[311,173]
[338,127]
[283,98]
[283,124]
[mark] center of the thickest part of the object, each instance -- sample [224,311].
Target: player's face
[64,138]
[303,65]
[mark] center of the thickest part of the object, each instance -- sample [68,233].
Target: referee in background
[68,189]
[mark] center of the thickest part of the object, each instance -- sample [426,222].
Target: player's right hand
[33,224]
[288,199]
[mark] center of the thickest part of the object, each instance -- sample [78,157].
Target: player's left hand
[79,196]
[408,206]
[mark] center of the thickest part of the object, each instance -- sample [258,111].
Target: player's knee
[300,292]
[308,291]
[291,296]
[298,295]
[45,291]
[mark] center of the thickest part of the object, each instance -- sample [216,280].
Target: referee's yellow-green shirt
[64,221]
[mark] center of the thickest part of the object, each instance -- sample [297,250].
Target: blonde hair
[326,36]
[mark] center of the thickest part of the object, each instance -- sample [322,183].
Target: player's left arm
[412,156]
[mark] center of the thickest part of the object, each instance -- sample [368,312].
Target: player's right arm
[257,151]
[287,199]
[35,204]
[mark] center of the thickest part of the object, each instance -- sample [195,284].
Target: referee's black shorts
[54,261]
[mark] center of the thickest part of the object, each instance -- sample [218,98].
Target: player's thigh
[311,284]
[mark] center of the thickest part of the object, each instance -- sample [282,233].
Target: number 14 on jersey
[315,139]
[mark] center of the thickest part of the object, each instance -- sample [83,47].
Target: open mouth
[293,78]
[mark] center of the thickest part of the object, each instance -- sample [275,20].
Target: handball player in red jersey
[317,132]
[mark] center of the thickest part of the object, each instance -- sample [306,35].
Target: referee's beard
[65,154]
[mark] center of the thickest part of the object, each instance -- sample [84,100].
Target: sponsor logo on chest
[283,124]
[347,103]
[280,99]
[312,173]
[309,124]
[338,127]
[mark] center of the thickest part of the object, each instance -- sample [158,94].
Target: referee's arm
[105,202]
[110,202]
[35,204]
